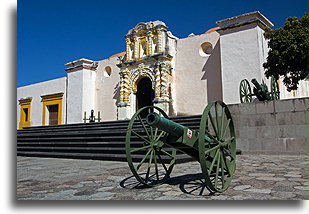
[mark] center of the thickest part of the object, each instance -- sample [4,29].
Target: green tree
[288,54]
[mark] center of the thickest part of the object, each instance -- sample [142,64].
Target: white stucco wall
[263,53]
[107,90]
[242,56]
[197,79]
[36,91]
[75,91]
[89,91]
[81,94]
[302,90]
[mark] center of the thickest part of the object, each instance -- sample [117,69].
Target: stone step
[102,150]
[76,135]
[46,129]
[104,140]
[77,144]
[95,156]
[101,130]
[111,124]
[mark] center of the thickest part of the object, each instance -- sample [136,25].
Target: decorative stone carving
[148,55]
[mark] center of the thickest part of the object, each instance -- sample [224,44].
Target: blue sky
[51,33]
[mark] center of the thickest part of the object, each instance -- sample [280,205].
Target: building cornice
[52,96]
[25,100]
[243,20]
[81,64]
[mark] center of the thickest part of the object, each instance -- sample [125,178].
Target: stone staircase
[100,141]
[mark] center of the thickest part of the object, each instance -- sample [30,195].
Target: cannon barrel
[175,129]
[256,84]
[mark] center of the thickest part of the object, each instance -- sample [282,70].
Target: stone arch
[145,93]
[138,75]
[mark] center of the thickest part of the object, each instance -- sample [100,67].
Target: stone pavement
[257,177]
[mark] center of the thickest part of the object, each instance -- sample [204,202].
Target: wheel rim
[245,92]
[155,160]
[274,87]
[218,157]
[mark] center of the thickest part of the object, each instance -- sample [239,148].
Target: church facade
[178,75]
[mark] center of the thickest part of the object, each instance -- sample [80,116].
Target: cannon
[260,90]
[213,145]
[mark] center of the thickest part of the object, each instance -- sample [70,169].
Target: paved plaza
[257,177]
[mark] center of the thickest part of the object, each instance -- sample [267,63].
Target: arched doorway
[144,94]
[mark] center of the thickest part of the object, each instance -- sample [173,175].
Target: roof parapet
[81,64]
[244,19]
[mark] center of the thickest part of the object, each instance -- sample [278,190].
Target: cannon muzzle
[154,120]
[256,84]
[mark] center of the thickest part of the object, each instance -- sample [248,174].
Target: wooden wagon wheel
[153,159]
[217,157]
[245,93]
[274,88]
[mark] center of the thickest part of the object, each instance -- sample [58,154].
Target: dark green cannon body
[260,91]
[180,137]
[213,146]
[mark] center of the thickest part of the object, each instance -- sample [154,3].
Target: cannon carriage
[213,146]
[260,91]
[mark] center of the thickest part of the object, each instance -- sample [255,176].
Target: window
[155,44]
[52,109]
[107,71]
[205,49]
[25,105]
[26,114]
[143,48]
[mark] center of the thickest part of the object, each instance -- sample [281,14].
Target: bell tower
[150,53]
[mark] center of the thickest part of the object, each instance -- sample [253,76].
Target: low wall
[272,127]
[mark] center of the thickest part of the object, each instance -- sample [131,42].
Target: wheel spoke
[213,124]
[165,152]
[156,165]
[155,134]
[162,161]
[229,139]
[142,122]
[217,120]
[229,153]
[213,162]
[217,170]
[142,161]
[227,165]
[149,164]
[142,148]
[210,136]
[213,148]
[147,174]
[222,169]
[225,129]
[248,98]
[222,120]
[150,159]
[151,132]
[141,137]
[160,135]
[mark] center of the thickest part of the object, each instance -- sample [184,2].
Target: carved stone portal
[150,50]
